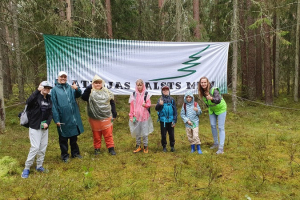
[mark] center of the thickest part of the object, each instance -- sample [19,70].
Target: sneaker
[145,149]
[214,146]
[25,173]
[165,149]
[138,149]
[66,160]
[172,149]
[111,150]
[42,169]
[220,151]
[77,156]
[97,151]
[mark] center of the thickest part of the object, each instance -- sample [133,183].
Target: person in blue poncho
[66,115]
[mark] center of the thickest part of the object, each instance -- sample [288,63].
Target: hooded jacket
[167,99]
[65,109]
[190,113]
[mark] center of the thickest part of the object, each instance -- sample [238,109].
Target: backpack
[184,106]
[145,99]
[24,117]
[166,113]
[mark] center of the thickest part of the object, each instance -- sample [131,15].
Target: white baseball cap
[62,73]
[46,84]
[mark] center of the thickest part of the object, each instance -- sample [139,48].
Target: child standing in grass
[167,115]
[190,112]
[140,121]
[101,111]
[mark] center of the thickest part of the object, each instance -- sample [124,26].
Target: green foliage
[8,167]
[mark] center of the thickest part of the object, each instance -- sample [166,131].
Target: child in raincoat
[140,121]
[190,112]
[101,111]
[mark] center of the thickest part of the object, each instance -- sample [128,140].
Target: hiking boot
[220,151]
[172,149]
[111,150]
[25,173]
[138,149]
[165,149]
[214,146]
[42,170]
[97,151]
[77,156]
[145,149]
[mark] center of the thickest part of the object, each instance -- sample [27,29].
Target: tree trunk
[243,43]
[251,57]
[277,49]
[108,17]
[297,55]
[235,53]
[267,66]
[178,21]
[162,16]
[69,10]
[196,19]
[259,64]
[18,51]
[2,44]
[8,68]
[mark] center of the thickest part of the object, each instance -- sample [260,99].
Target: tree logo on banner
[190,64]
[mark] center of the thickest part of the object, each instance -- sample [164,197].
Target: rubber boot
[111,150]
[199,149]
[192,148]
[145,149]
[138,149]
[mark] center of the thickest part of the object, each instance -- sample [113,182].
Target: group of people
[62,108]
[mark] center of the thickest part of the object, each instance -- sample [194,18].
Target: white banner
[121,62]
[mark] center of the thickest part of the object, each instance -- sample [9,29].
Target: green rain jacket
[213,107]
[65,110]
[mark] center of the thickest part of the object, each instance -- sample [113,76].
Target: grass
[261,160]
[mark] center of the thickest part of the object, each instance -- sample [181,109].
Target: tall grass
[261,160]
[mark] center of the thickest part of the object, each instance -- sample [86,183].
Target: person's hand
[131,119]
[45,125]
[196,109]
[189,122]
[161,102]
[74,86]
[208,97]
[144,105]
[173,124]
[40,87]
[59,124]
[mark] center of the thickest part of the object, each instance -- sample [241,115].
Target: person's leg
[163,132]
[108,137]
[42,148]
[213,124]
[63,144]
[74,147]
[97,139]
[221,125]
[171,136]
[35,139]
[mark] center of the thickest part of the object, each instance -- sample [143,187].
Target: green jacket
[65,110]
[213,107]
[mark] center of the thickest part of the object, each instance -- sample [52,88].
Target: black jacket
[34,110]
[86,95]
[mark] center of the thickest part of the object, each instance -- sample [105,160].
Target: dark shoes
[97,151]
[77,156]
[165,149]
[111,150]
[172,149]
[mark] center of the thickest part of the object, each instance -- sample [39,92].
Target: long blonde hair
[201,91]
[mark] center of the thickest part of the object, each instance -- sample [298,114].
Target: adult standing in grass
[140,121]
[101,111]
[40,115]
[66,115]
[217,109]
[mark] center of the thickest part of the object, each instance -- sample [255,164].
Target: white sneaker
[220,151]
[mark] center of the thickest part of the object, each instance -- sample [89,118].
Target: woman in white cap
[66,115]
[39,106]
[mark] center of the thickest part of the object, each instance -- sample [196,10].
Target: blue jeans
[221,124]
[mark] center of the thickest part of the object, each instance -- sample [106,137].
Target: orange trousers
[108,137]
